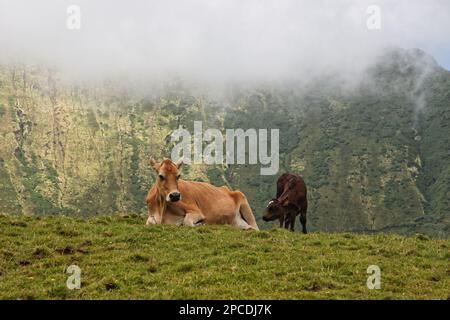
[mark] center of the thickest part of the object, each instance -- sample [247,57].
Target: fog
[214,41]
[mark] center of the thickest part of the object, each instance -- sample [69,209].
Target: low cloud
[211,40]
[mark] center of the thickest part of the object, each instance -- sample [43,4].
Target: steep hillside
[119,258]
[375,156]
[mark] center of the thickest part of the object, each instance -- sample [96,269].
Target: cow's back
[212,201]
[294,185]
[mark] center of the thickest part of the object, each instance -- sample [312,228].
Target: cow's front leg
[150,221]
[153,215]
[194,219]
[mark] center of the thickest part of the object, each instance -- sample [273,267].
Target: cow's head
[168,174]
[274,210]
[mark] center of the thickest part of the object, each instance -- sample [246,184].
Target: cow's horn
[179,163]
[154,164]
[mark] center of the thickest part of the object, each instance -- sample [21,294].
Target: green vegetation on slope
[375,157]
[120,258]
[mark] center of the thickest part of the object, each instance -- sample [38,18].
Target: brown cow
[291,200]
[175,201]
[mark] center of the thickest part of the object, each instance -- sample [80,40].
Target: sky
[215,40]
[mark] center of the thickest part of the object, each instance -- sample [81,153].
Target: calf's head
[274,210]
[168,174]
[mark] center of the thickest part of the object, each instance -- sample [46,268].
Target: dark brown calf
[291,201]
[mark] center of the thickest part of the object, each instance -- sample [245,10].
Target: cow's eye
[161,177]
[178,176]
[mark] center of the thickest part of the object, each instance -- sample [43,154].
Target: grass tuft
[120,258]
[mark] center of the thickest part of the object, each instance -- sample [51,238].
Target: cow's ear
[179,163]
[155,165]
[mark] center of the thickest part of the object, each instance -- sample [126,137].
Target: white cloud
[215,40]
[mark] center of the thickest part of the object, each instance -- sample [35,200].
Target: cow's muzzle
[174,196]
[268,218]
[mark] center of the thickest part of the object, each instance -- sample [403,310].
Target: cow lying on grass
[175,201]
[290,201]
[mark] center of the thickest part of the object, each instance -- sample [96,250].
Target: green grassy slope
[375,157]
[120,258]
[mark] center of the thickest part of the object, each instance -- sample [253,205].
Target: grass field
[121,259]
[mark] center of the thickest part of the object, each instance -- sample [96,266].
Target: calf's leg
[303,210]
[292,218]
[281,219]
[287,221]
[303,222]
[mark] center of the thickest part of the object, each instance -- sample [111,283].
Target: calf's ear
[155,165]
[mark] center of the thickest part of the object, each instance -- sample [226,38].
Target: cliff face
[375,157]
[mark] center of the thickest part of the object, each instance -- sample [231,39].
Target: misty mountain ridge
[373,149]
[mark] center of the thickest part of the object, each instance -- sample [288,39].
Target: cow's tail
[247,214]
